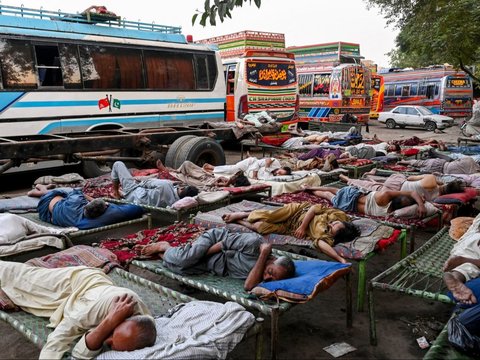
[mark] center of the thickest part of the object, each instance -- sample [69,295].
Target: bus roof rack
[104,20]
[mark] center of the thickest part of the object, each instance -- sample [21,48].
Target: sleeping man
[82,304]
[224,253]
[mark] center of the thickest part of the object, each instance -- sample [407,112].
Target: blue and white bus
[65,73]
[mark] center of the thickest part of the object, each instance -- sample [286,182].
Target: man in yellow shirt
[83,303]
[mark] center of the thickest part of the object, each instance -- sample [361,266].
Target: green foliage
[220,8]
[434,32]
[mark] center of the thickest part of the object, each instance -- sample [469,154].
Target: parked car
[414,116]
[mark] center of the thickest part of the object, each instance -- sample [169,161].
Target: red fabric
[466,196]
[275,140]
[360,162]
[382,244]
[395,167]
[410,152]
[246,189]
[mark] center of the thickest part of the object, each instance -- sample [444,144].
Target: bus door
[230,82]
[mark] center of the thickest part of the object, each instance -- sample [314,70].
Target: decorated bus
[442,89]
[70,72]
[260,75]
[378,89]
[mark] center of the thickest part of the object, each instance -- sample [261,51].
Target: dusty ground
[307,328]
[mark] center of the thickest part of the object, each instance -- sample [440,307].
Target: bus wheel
[430,126]
[390,123]
[200,150]
[173,150]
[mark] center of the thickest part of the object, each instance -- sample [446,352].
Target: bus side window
[436,89]
[201,72]
[430,93]
[305,82]
[406,90]
[398,90]
[48,65]
[231,80]
[70,63]
[413,89]
[18,71]
[389,90]
[422,90]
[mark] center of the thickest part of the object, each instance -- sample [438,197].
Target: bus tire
[390,123]
[430,126]
[173,150]
[200,150]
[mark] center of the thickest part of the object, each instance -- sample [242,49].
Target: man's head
[190,191]
[394,147]
[454,187]
[343,231]
[95,208]
[285,170]
[402,201]
[134,333]
[282,268]
[241,180]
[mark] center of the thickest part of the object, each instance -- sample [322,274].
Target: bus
[259,74]
[328,93]
[64,73]
[441,89]
[378,89]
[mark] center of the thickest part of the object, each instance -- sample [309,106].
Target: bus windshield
[271,73]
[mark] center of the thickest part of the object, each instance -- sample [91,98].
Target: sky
[304,22]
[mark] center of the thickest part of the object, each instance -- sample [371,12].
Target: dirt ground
[306,329]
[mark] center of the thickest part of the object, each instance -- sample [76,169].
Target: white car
[415,116]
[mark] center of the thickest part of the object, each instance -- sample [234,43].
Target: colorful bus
[378,89]
[442,89]
[259,74]
[66,72]
[328,93]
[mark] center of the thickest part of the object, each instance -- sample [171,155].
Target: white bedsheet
[280,187]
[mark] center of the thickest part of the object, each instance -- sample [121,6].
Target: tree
[434,32]
[220,8]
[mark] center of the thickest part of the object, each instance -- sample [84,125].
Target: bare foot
[208,167]
[229,218]
[152,249]
[459,290]
[371,172]
[343,178]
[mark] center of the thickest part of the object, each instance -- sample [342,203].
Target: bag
[461,331]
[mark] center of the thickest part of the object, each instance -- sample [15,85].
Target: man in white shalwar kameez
[83,303]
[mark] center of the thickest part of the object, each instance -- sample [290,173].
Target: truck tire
[93,168]
[173,150]
[200,150]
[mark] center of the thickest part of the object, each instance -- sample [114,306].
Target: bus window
[321,84]
[17,65]
[48,65]
[201,72]
[406,90]
[231,79]
[413,89]
[398,90]
[389,90]
[70,66]
[422,90]
[305,82]
[430,93]
[169,71]
[436,89]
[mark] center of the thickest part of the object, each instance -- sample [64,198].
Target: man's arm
[300,232]
[255,276]
[123,308]
[415,177]
[384,197]
[329,251]
[455,261]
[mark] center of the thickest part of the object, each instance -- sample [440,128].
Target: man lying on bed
[67,207]
[238,255]
[324,226]
[81,303]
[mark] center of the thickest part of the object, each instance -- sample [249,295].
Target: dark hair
[287,264]
[188,191]
[241,180]
[346,234]
[400,202]
[454,187]
[95,208]
[288,169]
[147,332]
[334,164]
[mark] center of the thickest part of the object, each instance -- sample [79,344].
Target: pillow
[410,152]
[275,140]
[459,226]
[185,203]
[311,277]
[288,178]
[210,197]
[6,304]
[458,198]
[411,211]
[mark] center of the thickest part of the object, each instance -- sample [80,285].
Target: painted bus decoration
[328,93]
[442,89]
[378,90]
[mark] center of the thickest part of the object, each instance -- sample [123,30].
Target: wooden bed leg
[259,340]
[274,333]
[362,282]
[371,316]
[348,299]
[411,238]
